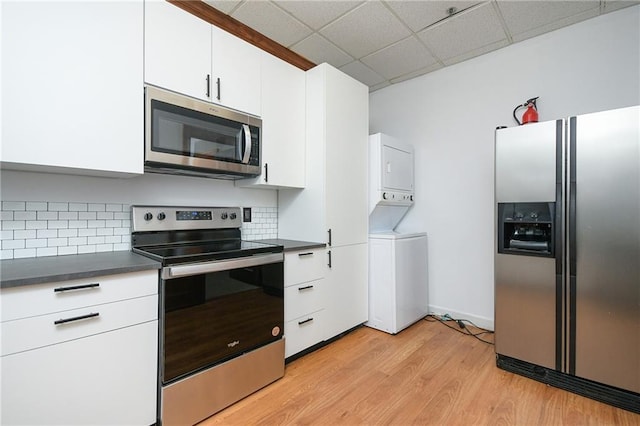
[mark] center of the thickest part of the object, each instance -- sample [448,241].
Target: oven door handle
[178,271]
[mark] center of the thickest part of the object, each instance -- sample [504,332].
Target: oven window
[213,317]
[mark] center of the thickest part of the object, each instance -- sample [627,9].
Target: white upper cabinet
[186,54]
[177,50]
[236,72]
[283,126]
[72,87]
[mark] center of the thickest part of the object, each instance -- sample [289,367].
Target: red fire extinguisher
[530,115]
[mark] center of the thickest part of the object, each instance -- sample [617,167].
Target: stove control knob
[232,216]
[223,216]
[148,216]
[161,216]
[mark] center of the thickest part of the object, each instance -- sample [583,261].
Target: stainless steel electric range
[221,308]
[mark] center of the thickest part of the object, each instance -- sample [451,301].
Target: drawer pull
[81,317]
[305,254]
[307,287]
[76,287]
[305,321]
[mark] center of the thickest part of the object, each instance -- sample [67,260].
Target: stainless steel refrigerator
[567,259]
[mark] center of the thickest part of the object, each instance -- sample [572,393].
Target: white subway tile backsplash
[88,232]
[47,215]
[13,224]
[86,249]
[47,233]
[13,205]
[36,224]
[68,215]
[13,244]
[67,250]
[56,242]
[87,215]
[36,206]
[36,243]
[78,207]
[18,254]
[66,233]
[58,207]
[57,224]
[42,228]
[47,251]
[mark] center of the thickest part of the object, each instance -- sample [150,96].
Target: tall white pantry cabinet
[333,206]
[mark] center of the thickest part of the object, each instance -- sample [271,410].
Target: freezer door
[604,254]
[526,162]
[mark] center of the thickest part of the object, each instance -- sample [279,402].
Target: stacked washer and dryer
[398,291]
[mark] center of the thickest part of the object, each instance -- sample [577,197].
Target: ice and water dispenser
[526,229]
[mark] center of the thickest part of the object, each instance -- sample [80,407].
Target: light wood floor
[425,375]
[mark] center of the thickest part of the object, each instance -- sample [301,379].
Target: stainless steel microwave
[187,136]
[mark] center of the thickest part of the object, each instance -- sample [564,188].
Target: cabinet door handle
[329,253]
[305,321]
[329,236]
[218,84]
[208,85]
[76,287]
[81,317]
[305,287]
[266,172]
[305,254]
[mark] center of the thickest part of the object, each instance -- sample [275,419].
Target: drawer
[44,330]
[303,266]
[303,332]
[303,298]
[42,299]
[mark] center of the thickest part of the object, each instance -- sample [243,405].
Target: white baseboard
[483,322]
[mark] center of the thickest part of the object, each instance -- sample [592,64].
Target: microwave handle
[247,144]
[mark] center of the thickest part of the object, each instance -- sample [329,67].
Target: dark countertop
[293,245]
[38,270]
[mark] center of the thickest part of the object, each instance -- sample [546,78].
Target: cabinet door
[108,379]
[346,289]
[72,92]
[177,50]
[236,64]
[347,121]
[283,126]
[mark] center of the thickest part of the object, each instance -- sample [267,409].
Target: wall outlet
[246,214]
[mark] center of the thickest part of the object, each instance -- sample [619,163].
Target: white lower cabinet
[303,299]
[88,356]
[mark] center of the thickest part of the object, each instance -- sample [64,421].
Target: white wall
[450,116]
[146,189]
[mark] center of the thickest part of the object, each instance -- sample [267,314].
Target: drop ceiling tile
[417,73]
[400,58]
[318,49]
[420,14]
[271,21]
[465,32]
[569,20]
[379,86]
[362,73]
[610,6]
[525,16]
[224,6]
[476,52]
[365,29]
[317,14]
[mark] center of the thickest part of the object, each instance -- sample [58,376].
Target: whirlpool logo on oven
[233,344]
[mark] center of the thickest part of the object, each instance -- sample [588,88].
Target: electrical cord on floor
[462,327]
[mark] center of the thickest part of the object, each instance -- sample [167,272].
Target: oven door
[214,311]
